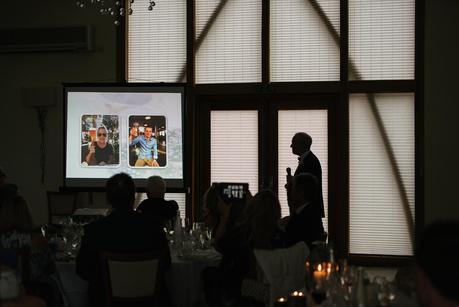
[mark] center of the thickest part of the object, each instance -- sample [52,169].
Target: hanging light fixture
[113,8]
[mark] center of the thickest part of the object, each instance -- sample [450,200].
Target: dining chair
[60,204]
[279,272]
[131,279]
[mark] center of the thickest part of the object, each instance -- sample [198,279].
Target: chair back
[23,258]
[282,269]
[130,278]
[60,204]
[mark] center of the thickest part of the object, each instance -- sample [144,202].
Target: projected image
[147,141]
[137,130]
[99,140]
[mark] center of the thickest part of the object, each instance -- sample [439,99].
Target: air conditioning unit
[75,38]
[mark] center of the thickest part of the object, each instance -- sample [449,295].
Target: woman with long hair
[18,239]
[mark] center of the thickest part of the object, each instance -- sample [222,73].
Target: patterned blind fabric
[231,50]
[157,42]
[315,123]
[377,220]
[234,147]
[301,46]
[381,39]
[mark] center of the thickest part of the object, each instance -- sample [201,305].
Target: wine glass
[386,292]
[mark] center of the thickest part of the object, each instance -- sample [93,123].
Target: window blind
[301,47]
[234,147]
[180,198]
[314,123]
[376,218]
[157,42]
[381,39]
[231,50]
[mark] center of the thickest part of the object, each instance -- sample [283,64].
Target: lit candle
[281,302]
[329,268]
[297,293]
[297,299]
[319,274]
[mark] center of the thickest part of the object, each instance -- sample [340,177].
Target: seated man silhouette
[123,231]
[155,205]
[437,273]
[305,221]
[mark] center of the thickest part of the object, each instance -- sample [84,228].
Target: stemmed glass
[199,234]
[71,236]
[385,290]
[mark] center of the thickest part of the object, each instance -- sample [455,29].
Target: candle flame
[319,267]
[281,300]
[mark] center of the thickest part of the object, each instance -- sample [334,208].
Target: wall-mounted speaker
[75,38]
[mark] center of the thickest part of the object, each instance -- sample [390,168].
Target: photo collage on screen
[100,141]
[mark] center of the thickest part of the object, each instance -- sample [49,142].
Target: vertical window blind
[381,39]
[301,46]
[231,50]
[157,42]
[376,218]
[314,123]
[180,198]
[234,147]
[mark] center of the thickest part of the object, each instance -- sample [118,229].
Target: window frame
[199,97]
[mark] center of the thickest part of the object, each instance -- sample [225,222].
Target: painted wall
[20,148]
[441,109]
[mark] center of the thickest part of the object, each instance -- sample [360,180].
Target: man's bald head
[301,143]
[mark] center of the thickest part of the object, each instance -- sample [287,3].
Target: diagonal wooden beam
[379,122]
[203,35]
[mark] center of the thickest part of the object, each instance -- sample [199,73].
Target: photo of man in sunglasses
[100,150]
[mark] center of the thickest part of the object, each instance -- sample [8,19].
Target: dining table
[183,279]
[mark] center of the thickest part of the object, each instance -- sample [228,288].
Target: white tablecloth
[74,288]
[183,280]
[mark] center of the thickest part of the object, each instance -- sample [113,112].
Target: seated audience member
[228,223]
[11,292]
[156,205]
[437,273]
[226,219]
[263,215]
[123,231]
[305,222]
[263,233]
[17,239]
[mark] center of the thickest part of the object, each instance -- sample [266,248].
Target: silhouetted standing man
[307,163]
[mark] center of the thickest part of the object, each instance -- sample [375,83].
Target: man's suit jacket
[310,164]
[305,226]
[122,232]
